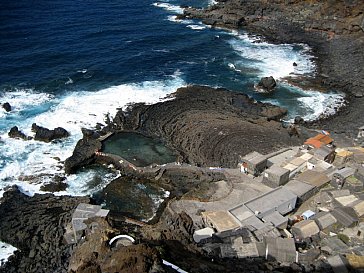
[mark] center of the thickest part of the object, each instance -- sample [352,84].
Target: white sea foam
[196,27]
[312,104]
[23,99]
[22,160]
[6,251]
[270,59]
[169,7]
[173,18]
[320,104]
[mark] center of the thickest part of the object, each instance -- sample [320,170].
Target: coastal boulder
[267,84]
[7,107]
[16,133]
[46,135]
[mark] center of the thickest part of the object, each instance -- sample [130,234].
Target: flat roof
[269,200]
[221,220]
[276,170]
[306,156]
[314,178]
[290,167]
[298,161]
[297,187]
[241,212]
[254,157]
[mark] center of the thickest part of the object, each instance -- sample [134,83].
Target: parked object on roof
[324,220]
[345,216]
[308,214]
[325,153]
[280,249]
[305,229]
[339,177]
[313,178]
[319,141]
[75,229]
[220,220]
[276,219]
[278,199]
[276,176]
[253,163]
[201,234]
[301,189]
[338,264]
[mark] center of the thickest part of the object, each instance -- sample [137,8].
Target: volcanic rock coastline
[334,30]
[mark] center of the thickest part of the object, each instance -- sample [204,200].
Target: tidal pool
[138,149]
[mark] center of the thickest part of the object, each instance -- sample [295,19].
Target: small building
[361,132]
[358,207]
[278,199]
[253,163]
[318,141]
[324,220]
[325,153]
[356,262]
[201,234]
[345,200]
[318,165]
[220,220]
[345,216]
[338,264]
[83,212]
[305,229]
[359,174]
[339,177]
[301,189]
[314,178]
[342,156]
[280,249]
[276,219]
[276,176]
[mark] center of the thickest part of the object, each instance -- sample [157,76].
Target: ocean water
[69,63]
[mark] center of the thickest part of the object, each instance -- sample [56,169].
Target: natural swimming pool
[138,149]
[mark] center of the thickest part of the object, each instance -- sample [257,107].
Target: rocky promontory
[208,126]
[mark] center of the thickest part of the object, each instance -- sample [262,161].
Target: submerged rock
[7,107]
[267,84]
[46,135]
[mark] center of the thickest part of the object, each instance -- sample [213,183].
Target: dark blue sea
[69,63]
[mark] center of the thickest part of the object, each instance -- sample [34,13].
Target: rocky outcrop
[46,135]
[266,84]
[95,255]
[84,152]
[35,226]
[6,106]
[210,127]
[16,133]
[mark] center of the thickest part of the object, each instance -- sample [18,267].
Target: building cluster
[314,210]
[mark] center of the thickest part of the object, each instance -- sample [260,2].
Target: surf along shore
[206,127]
[335,32]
